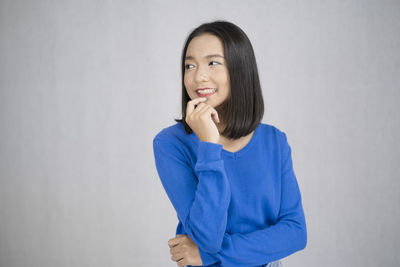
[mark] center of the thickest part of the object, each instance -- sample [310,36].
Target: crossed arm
[209,196]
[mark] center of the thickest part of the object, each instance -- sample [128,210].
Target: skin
[204,72]
[184,251]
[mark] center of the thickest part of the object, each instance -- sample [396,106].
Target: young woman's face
[205,67]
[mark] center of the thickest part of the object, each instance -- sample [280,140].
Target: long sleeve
[277,241]
[200,195]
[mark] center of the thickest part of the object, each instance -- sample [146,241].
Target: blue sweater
[241,208]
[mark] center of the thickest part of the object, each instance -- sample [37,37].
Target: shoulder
[275,137]
[277,141]
[171,133]
[272,131]
[173,136]
[173,143]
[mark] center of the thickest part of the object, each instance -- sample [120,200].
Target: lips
[207,93]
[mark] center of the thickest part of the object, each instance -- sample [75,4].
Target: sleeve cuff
[208,151]
[207,258]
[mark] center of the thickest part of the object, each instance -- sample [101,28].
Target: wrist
[210,140]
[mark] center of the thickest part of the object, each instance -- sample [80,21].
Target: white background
[86,85]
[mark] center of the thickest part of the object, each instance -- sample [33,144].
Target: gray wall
[85,86]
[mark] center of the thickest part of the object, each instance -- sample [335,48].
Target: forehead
[203,45]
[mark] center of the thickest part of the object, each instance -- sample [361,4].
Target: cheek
[222,75]
[186,81]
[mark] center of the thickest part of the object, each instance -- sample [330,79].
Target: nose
[201,74]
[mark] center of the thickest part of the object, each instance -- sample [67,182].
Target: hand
[184,251]
[200,119]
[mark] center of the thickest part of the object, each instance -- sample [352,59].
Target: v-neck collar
[241,151]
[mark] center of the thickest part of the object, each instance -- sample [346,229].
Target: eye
[187,66]
[214,62]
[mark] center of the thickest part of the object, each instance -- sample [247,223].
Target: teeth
[207,91]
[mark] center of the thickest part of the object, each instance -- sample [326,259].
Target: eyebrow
[208,56]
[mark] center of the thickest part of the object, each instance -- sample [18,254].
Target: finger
[181,262]
[199,109]
[175,250]
[177,257]
[192,103]
[173,242]
[212,113]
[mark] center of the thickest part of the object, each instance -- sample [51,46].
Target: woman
[229,177]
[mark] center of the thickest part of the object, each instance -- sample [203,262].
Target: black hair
[244,108]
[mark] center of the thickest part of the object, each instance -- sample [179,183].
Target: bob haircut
[243,110]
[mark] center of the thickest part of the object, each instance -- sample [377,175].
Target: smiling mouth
[206,92]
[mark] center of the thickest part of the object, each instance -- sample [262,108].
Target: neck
[220,126]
